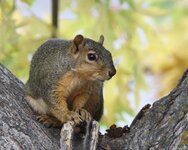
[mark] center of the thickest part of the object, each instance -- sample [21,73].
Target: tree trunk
[163,126]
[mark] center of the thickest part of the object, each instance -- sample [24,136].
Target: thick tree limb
[18,126]
[163,126]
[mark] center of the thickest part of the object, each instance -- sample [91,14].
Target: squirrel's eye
[92,57]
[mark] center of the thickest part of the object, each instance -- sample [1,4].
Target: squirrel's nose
[112,72]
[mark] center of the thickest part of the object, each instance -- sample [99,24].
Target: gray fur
[49,62]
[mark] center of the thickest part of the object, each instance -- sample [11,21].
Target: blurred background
[147,38]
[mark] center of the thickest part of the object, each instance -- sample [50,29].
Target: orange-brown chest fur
[78,92]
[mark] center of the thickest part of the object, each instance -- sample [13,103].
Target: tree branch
[55,10]
[163,126]
[18,126]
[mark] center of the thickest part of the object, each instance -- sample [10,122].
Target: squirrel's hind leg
[49,121]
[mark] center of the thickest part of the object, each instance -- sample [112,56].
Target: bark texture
[163,126]
[19,129]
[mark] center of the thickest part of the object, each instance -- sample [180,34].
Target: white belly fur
[38,105]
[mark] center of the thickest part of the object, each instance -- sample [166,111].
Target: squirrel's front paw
[85,115]
[73,116]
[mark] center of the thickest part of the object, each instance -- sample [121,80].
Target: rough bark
[163,126]
[18,126]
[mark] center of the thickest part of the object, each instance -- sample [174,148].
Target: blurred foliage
[144,36]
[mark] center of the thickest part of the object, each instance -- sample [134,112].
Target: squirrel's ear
[78,41]
[101,40]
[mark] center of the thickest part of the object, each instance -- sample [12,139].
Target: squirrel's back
[51,59]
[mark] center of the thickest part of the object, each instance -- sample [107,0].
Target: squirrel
[66,80]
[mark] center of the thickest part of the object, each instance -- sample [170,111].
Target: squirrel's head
[92,60]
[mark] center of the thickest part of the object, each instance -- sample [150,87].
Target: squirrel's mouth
[102,79]
[104,76]
[98,78]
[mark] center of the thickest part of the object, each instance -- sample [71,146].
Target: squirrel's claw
[73,116]
[85,115]
[49,121]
